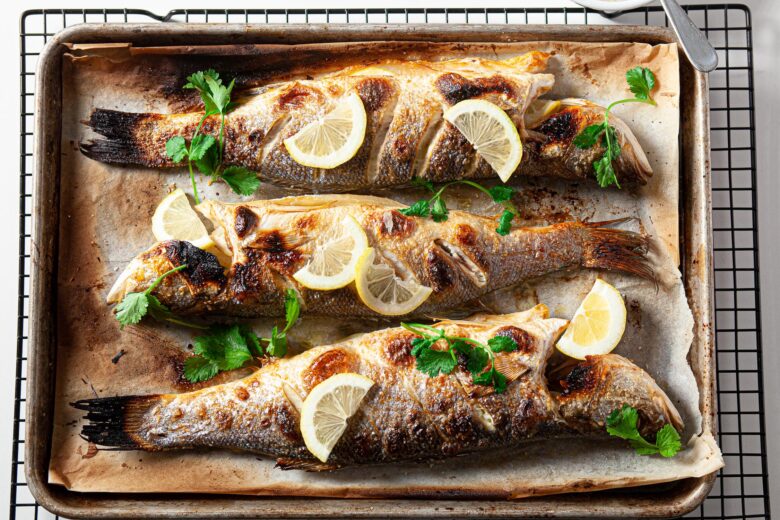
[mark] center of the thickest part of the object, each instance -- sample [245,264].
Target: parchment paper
[105,222]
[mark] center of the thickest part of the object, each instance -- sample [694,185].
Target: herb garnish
[134,306]
[641,81]
[479,356]
[228,347]
[622,423]
[205,151]
[436,208]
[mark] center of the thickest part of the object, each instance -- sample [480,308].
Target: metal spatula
[699,51]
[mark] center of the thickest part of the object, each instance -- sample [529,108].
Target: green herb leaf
[420,208]
[589,136]
[209,163]
[505,222]
[198,368]
[501,193]
[641,81]
[292,308]
[176,148]
[277,343]
[422,183]
[252,340]
[419,345]
[502,344]
[622,422]
[131,309]
[439,211]
[433,362]
[491,377]
[157,310]
[225,346]
[605,173]
[477,359]
[241,180]
[199,145]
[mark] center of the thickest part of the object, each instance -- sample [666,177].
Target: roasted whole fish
[406,135]
[460,259]
[406,415]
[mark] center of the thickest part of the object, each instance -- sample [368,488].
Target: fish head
[596,387]
[203,276]
[553,125]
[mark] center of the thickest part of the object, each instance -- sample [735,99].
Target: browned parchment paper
[105,221]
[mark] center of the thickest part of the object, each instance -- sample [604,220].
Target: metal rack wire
[741,490]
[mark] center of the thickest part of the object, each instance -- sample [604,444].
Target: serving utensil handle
[694,43]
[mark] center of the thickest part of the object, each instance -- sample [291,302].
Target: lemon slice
[383,291]
[174,219]
[335,254]
[326,409]
[332,139]
[540,110]
[598,324]
[491,132]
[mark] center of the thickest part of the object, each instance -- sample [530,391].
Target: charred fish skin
[460,260]
[406,416]
[406,136]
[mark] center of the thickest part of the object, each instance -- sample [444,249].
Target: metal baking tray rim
[696,263]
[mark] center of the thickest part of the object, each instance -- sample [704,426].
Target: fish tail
[116,421]
[616,249]
[120,143]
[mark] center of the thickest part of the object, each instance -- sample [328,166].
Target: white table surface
[766,34]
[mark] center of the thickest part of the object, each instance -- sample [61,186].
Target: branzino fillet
[406,415]
[406,135]
[460,259]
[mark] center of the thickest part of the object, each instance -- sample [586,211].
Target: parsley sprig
[480,357]
[205,151]
[641,81]
[228,347]
[622,423]
[436,208]
[134,306]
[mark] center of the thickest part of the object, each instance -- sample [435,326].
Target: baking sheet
[105,221]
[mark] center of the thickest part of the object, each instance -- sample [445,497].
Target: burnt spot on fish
[256,136]
[223,419]
[242,394]
[329,363]
[398,349]
[246,220]
[270,247]
[525,342]
[306,223]
[394,224]
[583,378]
[561,127]
[375,92]
[202,269]
[440,273]
[455,88]
[465,234]
[295,97]
[287,420]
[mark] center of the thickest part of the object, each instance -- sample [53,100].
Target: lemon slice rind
[373,281]
[332,139]
[327,408]
[491,132]
[598,324]
[175,219]
[340,251]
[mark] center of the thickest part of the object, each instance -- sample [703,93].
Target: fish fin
[114,421]
[533,61]
[616,249]
[119,145]
[286,463]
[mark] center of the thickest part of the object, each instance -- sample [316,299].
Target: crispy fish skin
[460,259]
[406,415]
[406,135]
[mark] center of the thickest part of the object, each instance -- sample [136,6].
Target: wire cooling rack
[741,490]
